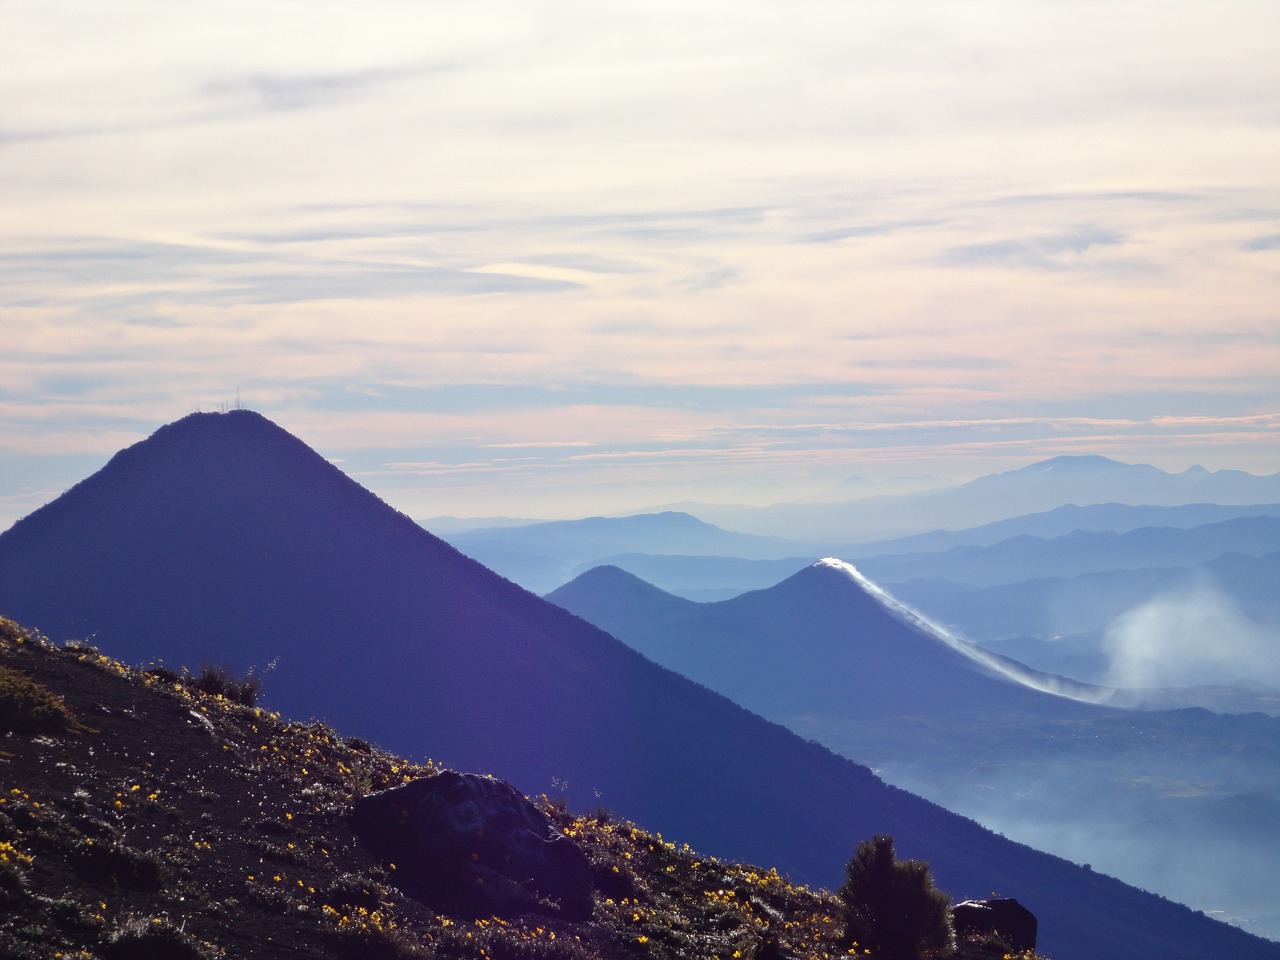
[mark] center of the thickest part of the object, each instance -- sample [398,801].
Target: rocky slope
[142,817]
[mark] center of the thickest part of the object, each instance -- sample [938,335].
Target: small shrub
[14,949]
[13,881]
[11,632]
[613,877]
[113,862]
[357,942]
[163,674]
[891,906]
[28,706]
[351,890]
[82,647]
[156,938]
[220,682]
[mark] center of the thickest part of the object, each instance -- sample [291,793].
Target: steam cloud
[1194,637]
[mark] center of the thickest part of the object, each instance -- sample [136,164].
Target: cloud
[1053,251]
[1269,242]
[220,101]
[867,232]
[281,92]
[708,280]
[131,275]
[78,261]
[1196,636]
[863,230]
[346,282]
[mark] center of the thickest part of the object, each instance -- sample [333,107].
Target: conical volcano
[825,640]
[222,538]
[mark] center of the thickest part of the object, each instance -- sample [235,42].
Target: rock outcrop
[1006,919]
[476,846]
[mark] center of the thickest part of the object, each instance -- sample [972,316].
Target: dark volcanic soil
[178,824]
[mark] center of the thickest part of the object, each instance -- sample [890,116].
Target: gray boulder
[473,845]
[1005,919]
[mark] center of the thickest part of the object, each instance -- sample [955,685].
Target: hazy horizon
[575,259]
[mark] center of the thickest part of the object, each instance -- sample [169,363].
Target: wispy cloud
[224,100]
[287,92]
[1269,242]
[126,276]
[1052,251]
[803,239]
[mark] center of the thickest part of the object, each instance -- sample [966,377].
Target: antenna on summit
[238,407]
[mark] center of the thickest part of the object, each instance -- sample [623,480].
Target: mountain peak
[213,443]
[832,571]
[209,426]
[228,426]
[237,457]
[1073,464]
[614,579]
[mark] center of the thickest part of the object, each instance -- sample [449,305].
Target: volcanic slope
[222,537]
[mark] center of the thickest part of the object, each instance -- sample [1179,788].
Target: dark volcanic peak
[237,458]
[223,539]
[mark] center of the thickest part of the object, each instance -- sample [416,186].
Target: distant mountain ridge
[1036,488]
[1081,552]
[541,556]
[223,538]
[1017,559]
[1066,519]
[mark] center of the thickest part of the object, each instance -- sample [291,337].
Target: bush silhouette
[27,706]
[219,681]
[891,906]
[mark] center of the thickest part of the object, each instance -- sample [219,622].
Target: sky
[546,259]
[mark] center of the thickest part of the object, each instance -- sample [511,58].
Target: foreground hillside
[144,818]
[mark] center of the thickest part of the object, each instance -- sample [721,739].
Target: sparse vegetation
[154,938]
[27,706]
[114,863]
[220,682]
[891,906]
